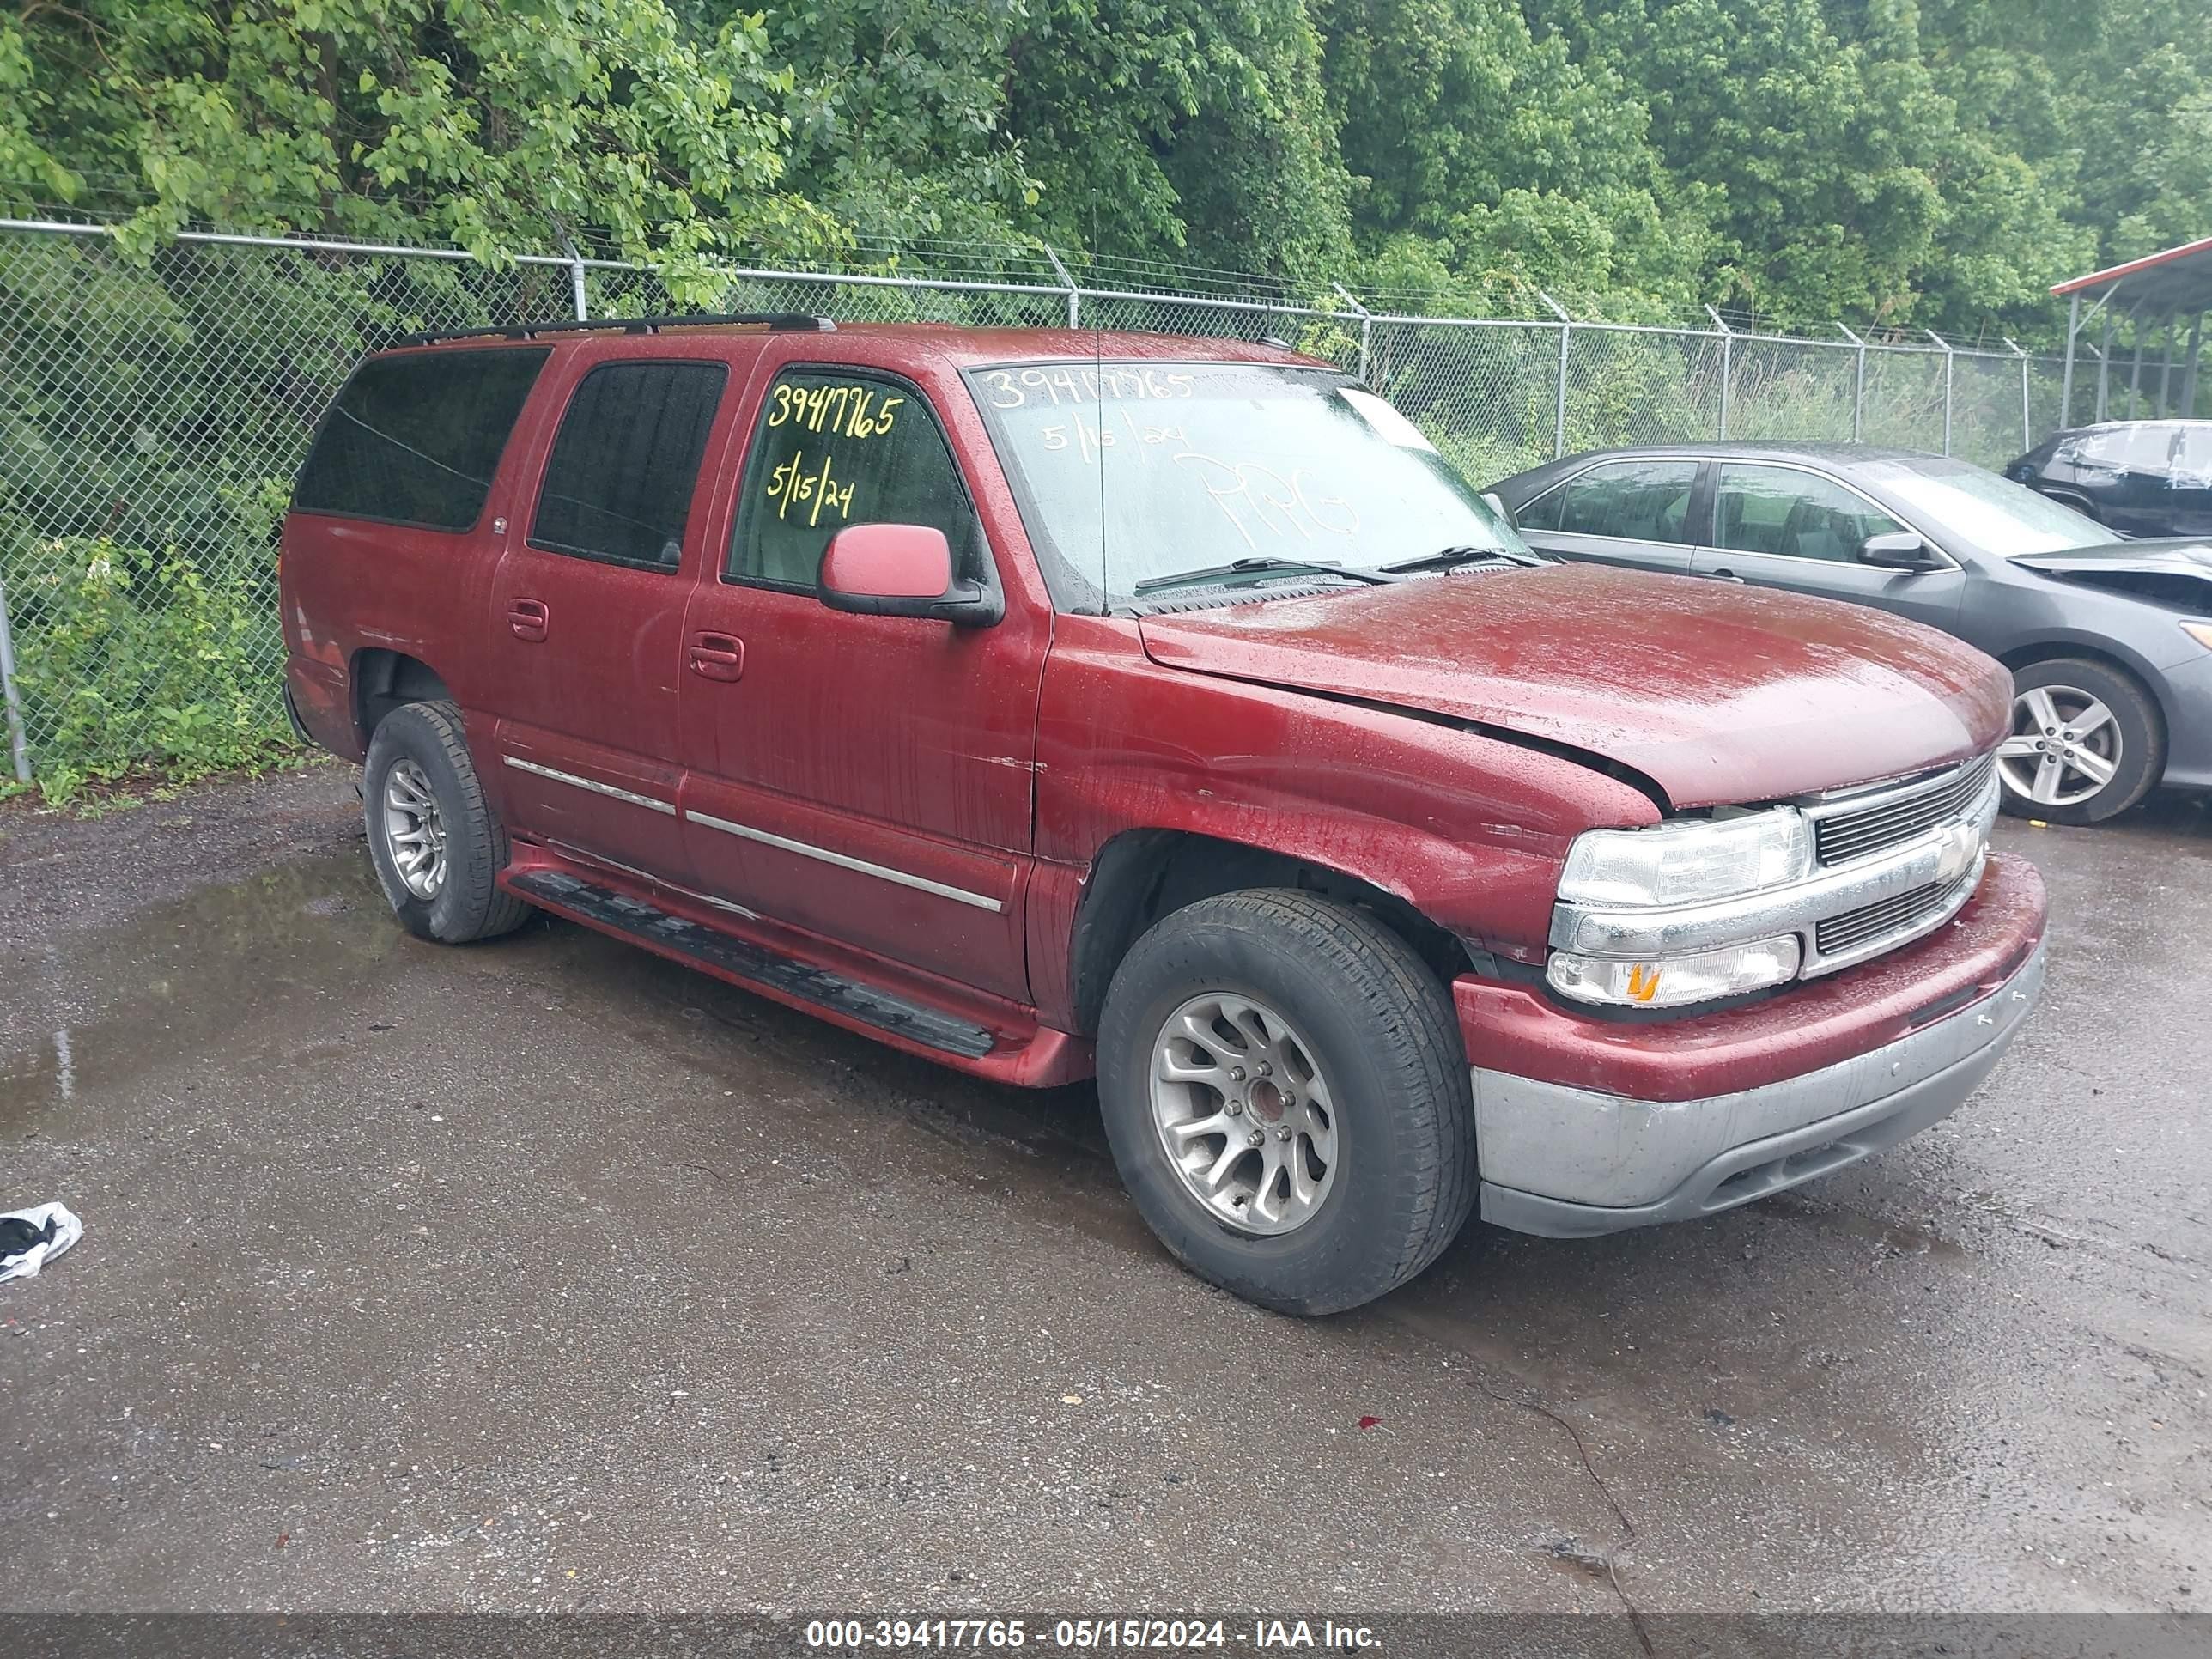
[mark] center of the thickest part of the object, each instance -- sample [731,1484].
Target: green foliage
[496,126]
[1940,163]
[1931,162]
[133,658]
[1515,164]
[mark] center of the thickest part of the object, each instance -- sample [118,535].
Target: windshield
[1141,478]
[1986,511]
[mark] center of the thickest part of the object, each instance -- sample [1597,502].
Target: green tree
[1520,166]
[898,115]
[499,127]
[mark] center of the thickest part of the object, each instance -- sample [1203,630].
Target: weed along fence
[152,414]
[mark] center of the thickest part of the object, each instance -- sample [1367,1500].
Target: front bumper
[2187,695]
[1585,1127]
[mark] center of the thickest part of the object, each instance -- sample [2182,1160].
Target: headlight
[1670,981]
[1687,862]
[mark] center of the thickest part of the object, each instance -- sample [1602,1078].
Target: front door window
[1796,514]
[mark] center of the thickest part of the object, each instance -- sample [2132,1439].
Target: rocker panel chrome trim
[593,785]
[843,862]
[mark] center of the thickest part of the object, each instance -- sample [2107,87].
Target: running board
[619,913]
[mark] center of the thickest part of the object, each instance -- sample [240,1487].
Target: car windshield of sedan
[1140,478]
[1986,511]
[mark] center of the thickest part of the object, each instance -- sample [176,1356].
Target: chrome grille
[1846,831]
[1898,914]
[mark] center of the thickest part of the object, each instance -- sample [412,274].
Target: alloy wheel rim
[1244,1113]
[414,829]
[2065,746]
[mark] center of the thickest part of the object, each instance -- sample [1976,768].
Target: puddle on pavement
[91,1012]
[1888,1239]
[178,978]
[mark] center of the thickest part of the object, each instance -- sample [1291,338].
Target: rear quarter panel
[349,585]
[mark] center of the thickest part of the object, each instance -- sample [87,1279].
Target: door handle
[1722,576]
[717,656]
[529,619]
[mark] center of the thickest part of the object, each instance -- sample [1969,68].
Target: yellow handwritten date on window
[843,411]
[799,484]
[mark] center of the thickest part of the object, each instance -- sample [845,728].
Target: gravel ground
[544,1274]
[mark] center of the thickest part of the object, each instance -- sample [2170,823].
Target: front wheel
[1287,1098]
[2087,742]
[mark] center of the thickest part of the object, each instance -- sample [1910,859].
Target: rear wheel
[437,848]
[2086,743]
[1287,1099]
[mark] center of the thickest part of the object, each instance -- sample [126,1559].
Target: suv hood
[1717,694]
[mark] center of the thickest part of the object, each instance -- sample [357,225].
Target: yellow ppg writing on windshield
[791,483]
[847,411]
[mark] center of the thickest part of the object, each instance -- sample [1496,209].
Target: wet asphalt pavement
[546,1275]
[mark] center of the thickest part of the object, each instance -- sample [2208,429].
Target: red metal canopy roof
[2156,285]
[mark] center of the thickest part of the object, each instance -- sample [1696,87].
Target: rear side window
[1644,501]
[2192,462]
[2140,447]
[415,439]
[618,483]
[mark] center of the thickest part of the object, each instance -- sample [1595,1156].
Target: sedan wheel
[2065,746]
[2088,742]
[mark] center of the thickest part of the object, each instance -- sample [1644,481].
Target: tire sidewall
[2142,741]
[1373,1194]
[407,734]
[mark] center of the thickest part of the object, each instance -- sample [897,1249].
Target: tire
[2129,740]
[1350,997]
[420,744]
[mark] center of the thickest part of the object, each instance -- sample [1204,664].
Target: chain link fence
[152,414]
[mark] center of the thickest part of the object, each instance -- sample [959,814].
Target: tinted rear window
[618,483]
[415,439]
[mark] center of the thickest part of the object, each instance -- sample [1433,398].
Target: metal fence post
[2066,383]
[2189,373]
[1858,388]
[2135,374]
[2026,420]
[1727,365]
[1560,402]
[2104,364]
[1074,294]
[576,280]
[1366,331]
[1947,355]
[16,744]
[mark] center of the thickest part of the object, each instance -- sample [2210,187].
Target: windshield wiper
[1451,557]
[1245,566]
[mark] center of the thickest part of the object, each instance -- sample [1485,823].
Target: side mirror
[1900,550]
[900,570]
[1496,504]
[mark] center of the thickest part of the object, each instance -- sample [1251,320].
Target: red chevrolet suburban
[1041,701]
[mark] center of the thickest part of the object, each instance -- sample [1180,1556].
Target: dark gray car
[2110,643]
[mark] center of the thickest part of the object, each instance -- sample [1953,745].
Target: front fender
[1469,829]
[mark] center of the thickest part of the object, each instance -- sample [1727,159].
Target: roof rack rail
[795,321]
